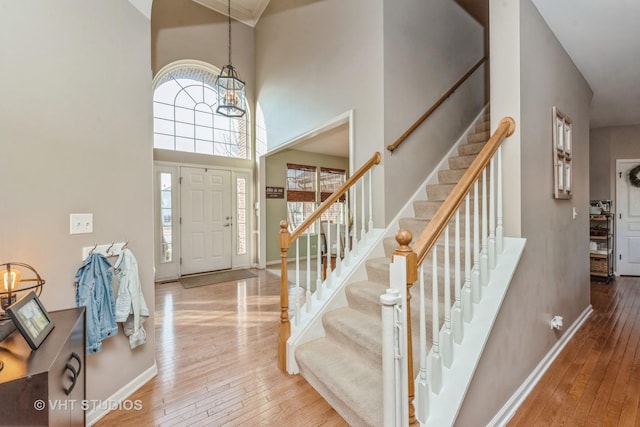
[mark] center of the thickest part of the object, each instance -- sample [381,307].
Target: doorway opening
[328,147]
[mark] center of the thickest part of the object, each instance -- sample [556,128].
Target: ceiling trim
[247,12]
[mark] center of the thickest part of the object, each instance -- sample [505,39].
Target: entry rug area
[189,282]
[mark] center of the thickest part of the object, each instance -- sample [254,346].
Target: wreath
[633,176]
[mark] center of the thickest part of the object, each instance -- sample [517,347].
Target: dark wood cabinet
[45,386]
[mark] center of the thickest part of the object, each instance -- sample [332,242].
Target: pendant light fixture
[231,100]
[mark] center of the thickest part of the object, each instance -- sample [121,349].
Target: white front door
[206,219]
[627,220]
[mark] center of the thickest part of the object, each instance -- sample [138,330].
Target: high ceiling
[247,11]
[602,37]
[603,40]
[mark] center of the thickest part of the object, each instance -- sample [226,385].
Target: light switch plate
[81,223]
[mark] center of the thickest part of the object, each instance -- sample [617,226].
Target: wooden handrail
[285,238]
[374,160]
[445,213]
[435,106]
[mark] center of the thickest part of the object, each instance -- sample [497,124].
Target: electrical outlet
[80,223]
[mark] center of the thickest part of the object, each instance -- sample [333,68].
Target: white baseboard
[509,409]
[100,411]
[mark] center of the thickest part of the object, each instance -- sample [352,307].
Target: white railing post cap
[391,297]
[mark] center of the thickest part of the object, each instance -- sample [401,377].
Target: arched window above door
[184,113]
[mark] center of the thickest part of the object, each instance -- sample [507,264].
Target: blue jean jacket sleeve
[94,291]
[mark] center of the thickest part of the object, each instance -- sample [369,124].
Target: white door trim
[623,266]
[174,167]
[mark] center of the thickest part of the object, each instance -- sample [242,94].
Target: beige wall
[315,61]
[276,175]
[553,276]
[75,126]
[386,63]
[607,145]
[183,29]
[428,46]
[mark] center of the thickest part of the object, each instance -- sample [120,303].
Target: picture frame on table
[31,319]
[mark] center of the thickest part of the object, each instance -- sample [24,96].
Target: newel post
[284,331]
[403,237]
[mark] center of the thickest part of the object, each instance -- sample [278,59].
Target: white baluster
[363,232]
[467,301]
[457,307]
[422,392]
[327,237]
[347,232]
[484,252]
[499,227]
[446,337]
[338,245]
[435,362]
[319,262]
[492,216]
[297,297]
[370,200]
[354,247]
[307,299]
[475,274]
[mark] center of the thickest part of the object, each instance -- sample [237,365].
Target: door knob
[226,225]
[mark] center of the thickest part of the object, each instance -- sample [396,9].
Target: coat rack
[108,250]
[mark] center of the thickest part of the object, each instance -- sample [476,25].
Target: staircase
[345,366]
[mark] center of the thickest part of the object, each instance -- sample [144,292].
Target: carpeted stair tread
[377,268]
[478,137]
[352,387]
[450,176]
[471,148]
[417,225]
[365,295]
[461,162]
[345,365]
[483,127]
[361,330]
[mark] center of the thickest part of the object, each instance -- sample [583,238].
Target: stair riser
[426,209]
[439,192]
[450,176]
[366,301]
[380,274]
[478,137]
[470,149]
[483,127]
[417,226]
[390,245]
[370,302]
[357,337]
[460,162]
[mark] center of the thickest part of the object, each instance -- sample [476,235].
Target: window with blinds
[330,181]
[301,194]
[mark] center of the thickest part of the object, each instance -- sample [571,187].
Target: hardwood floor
[595,381]
[216,356]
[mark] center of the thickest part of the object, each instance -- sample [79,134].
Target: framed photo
[31,319]
[562,155]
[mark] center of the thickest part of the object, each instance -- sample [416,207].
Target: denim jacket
[94,291]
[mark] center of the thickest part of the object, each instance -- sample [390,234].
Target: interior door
[206,219]
[627,220]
